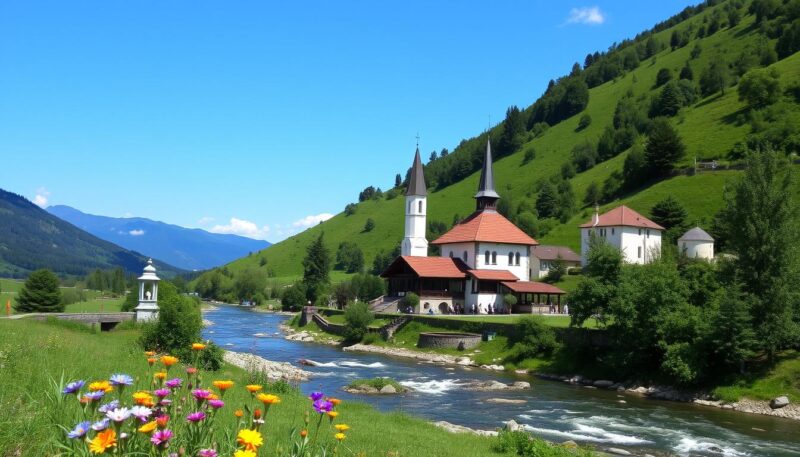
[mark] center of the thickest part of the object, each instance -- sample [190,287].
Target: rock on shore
[484,386]
[453,428]
[407,353]
[273,370]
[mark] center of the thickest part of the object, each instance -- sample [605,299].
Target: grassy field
[709,129]
[783,379]
[97,305]
[33,354]
[94,301]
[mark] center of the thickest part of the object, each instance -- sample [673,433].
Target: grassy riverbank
[35,354]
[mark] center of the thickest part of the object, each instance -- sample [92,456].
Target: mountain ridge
[183,247]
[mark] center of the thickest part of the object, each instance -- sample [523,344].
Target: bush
[532,338]
[410,302]
[357,317]
[584,122]
[294,298]
[371,338]
[509,300]
[72,295]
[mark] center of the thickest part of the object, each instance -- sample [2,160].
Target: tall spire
[416,182]
[486,196]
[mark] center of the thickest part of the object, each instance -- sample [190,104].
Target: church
[483,258]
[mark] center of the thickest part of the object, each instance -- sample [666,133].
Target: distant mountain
[32,238]
[190,249]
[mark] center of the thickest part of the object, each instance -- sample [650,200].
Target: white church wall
[521,271]
[458,250]
[697,249]
[414,242]
[638,245]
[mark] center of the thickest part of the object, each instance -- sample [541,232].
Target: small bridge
[106,321]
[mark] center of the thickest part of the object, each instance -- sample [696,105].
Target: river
[552,410]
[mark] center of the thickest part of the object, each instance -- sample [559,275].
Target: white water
[434,387]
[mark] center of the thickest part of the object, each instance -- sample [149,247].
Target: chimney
[596,217]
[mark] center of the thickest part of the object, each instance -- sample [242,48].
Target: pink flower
[201,394]
[161,438]
[207,453]
[161,393]
[196,417]
[173,383]
[216,404]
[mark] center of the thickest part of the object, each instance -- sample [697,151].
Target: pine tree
[398,181]
[664,148]
[671,215]
[316,268]
[40,294]
[592,196]
[547,201]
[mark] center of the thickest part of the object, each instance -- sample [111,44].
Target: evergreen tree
[398,181]
[433,157]
[671,215]
[761,221]
[566,201]
[592,196]
[714,78]
[663,76]
[668,102]
[40,294]
[369,225]
[686,72]
[349,257]
[547,201]
[513,128]
[664,148]
[634,170]
[759,87]
[316,268]
[789,42]
[731,335]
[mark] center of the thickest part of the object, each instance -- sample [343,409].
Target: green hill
[32,238]
[710,126]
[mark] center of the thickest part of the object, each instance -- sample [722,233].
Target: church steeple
[486,196]
[416,181]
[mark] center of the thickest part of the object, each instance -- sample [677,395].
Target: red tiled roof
[493,275]
[543,252]
[433,267]
[528,287]
[624,217]
[488,226]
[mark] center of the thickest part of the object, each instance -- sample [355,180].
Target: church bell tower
[414,242]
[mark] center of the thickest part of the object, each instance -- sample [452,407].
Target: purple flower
[323,406]
[79,430]
[165,402]
[121,380]
[161,438]
[161,393]
[216,404]
[73,387]
[94,396]
[196,417]
[201,394]
[173,383]
[207,453]
[101,425]
[106,407]
[316,396]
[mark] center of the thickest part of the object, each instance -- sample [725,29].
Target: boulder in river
[485,386]
[513,426]
[617,451]
[453,428]
[388,389]
[507,401]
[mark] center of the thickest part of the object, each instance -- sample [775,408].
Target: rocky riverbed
[411,354]
[273,370]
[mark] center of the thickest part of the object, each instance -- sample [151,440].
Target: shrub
[369,225]
[410,301]
[294,298]
[533,337]
[509,300]
[759,87]
[357,317]
[584,122]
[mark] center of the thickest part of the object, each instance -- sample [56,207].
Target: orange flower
[148,427]
[335,401]
[198,346]
[168,360]
[150,353]
[104,440]
[253,388]
[238,413]
[213,397]
[151,361]
[257,414]
[161,421]
[304,433]
[268,399]
[162,375]
[142,398]
[332,414]
[97,386]
[223,385]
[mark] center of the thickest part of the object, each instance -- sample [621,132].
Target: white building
[637,237]
[147,310]
[544,257]
[483,257]
[414,242]
[696,244]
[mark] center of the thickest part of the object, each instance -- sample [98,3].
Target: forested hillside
[32,238]
[625,126]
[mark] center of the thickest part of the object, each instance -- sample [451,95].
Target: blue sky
[259,118]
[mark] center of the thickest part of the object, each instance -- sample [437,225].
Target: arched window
[420,206]
[517,258]
[511,258]
[466,258]
[486,259]
[451,254]
[494,257]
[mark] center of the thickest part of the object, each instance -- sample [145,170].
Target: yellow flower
[198,346]
[268,399]
[213,397]
[142,397]
[244,453]
[332,414]
[223,385]
[150,353]
[342,427]
[253,388]
[103,441]
[162,375]
[250,439]
[150,426]
[340,436]
[238,413]
[168,360]
[105,386]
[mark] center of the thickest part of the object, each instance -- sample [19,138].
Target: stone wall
[449,340]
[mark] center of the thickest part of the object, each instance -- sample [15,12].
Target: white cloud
[205,220]
[586,15]
[242,227]
[136,232]
[314,219]
[41,197]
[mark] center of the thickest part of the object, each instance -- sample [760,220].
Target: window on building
[420,206]
[486,258]
[517,262]
[511,258]
[494,257]
[640,232]
[466,258]
[451,254]
[648,233]
[640,252]
[612,230]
